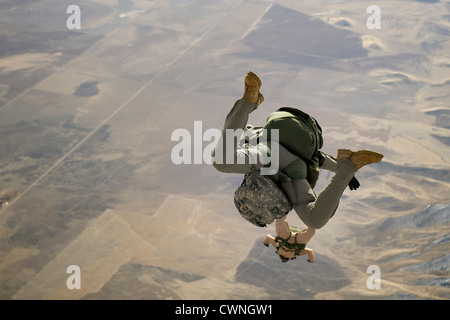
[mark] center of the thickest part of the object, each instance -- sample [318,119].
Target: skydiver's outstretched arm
[269,240]
[282,227]
[310,254]
[305,235]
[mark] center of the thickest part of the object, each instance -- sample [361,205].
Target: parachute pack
[259,199]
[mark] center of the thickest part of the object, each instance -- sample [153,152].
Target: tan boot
[360,158]
[252,85]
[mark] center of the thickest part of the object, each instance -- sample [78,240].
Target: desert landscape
[87,179]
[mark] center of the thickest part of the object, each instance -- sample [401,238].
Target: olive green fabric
[300,134]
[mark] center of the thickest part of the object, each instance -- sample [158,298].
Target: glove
[353,184]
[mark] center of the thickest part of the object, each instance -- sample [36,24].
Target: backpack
[300,133]
[259,199]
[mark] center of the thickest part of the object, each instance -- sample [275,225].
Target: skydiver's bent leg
[226,156]
[316,211]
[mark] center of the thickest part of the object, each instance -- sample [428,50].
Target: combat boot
[360,158]
[252,86]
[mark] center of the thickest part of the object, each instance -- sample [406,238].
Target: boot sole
[371,156]
[351,153]
[255,77]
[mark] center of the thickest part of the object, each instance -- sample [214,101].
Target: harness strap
[283,243]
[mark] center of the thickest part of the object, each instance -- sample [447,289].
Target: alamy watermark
[374,20]
[374,281]
[74,280]
[74,20]
[232,147]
